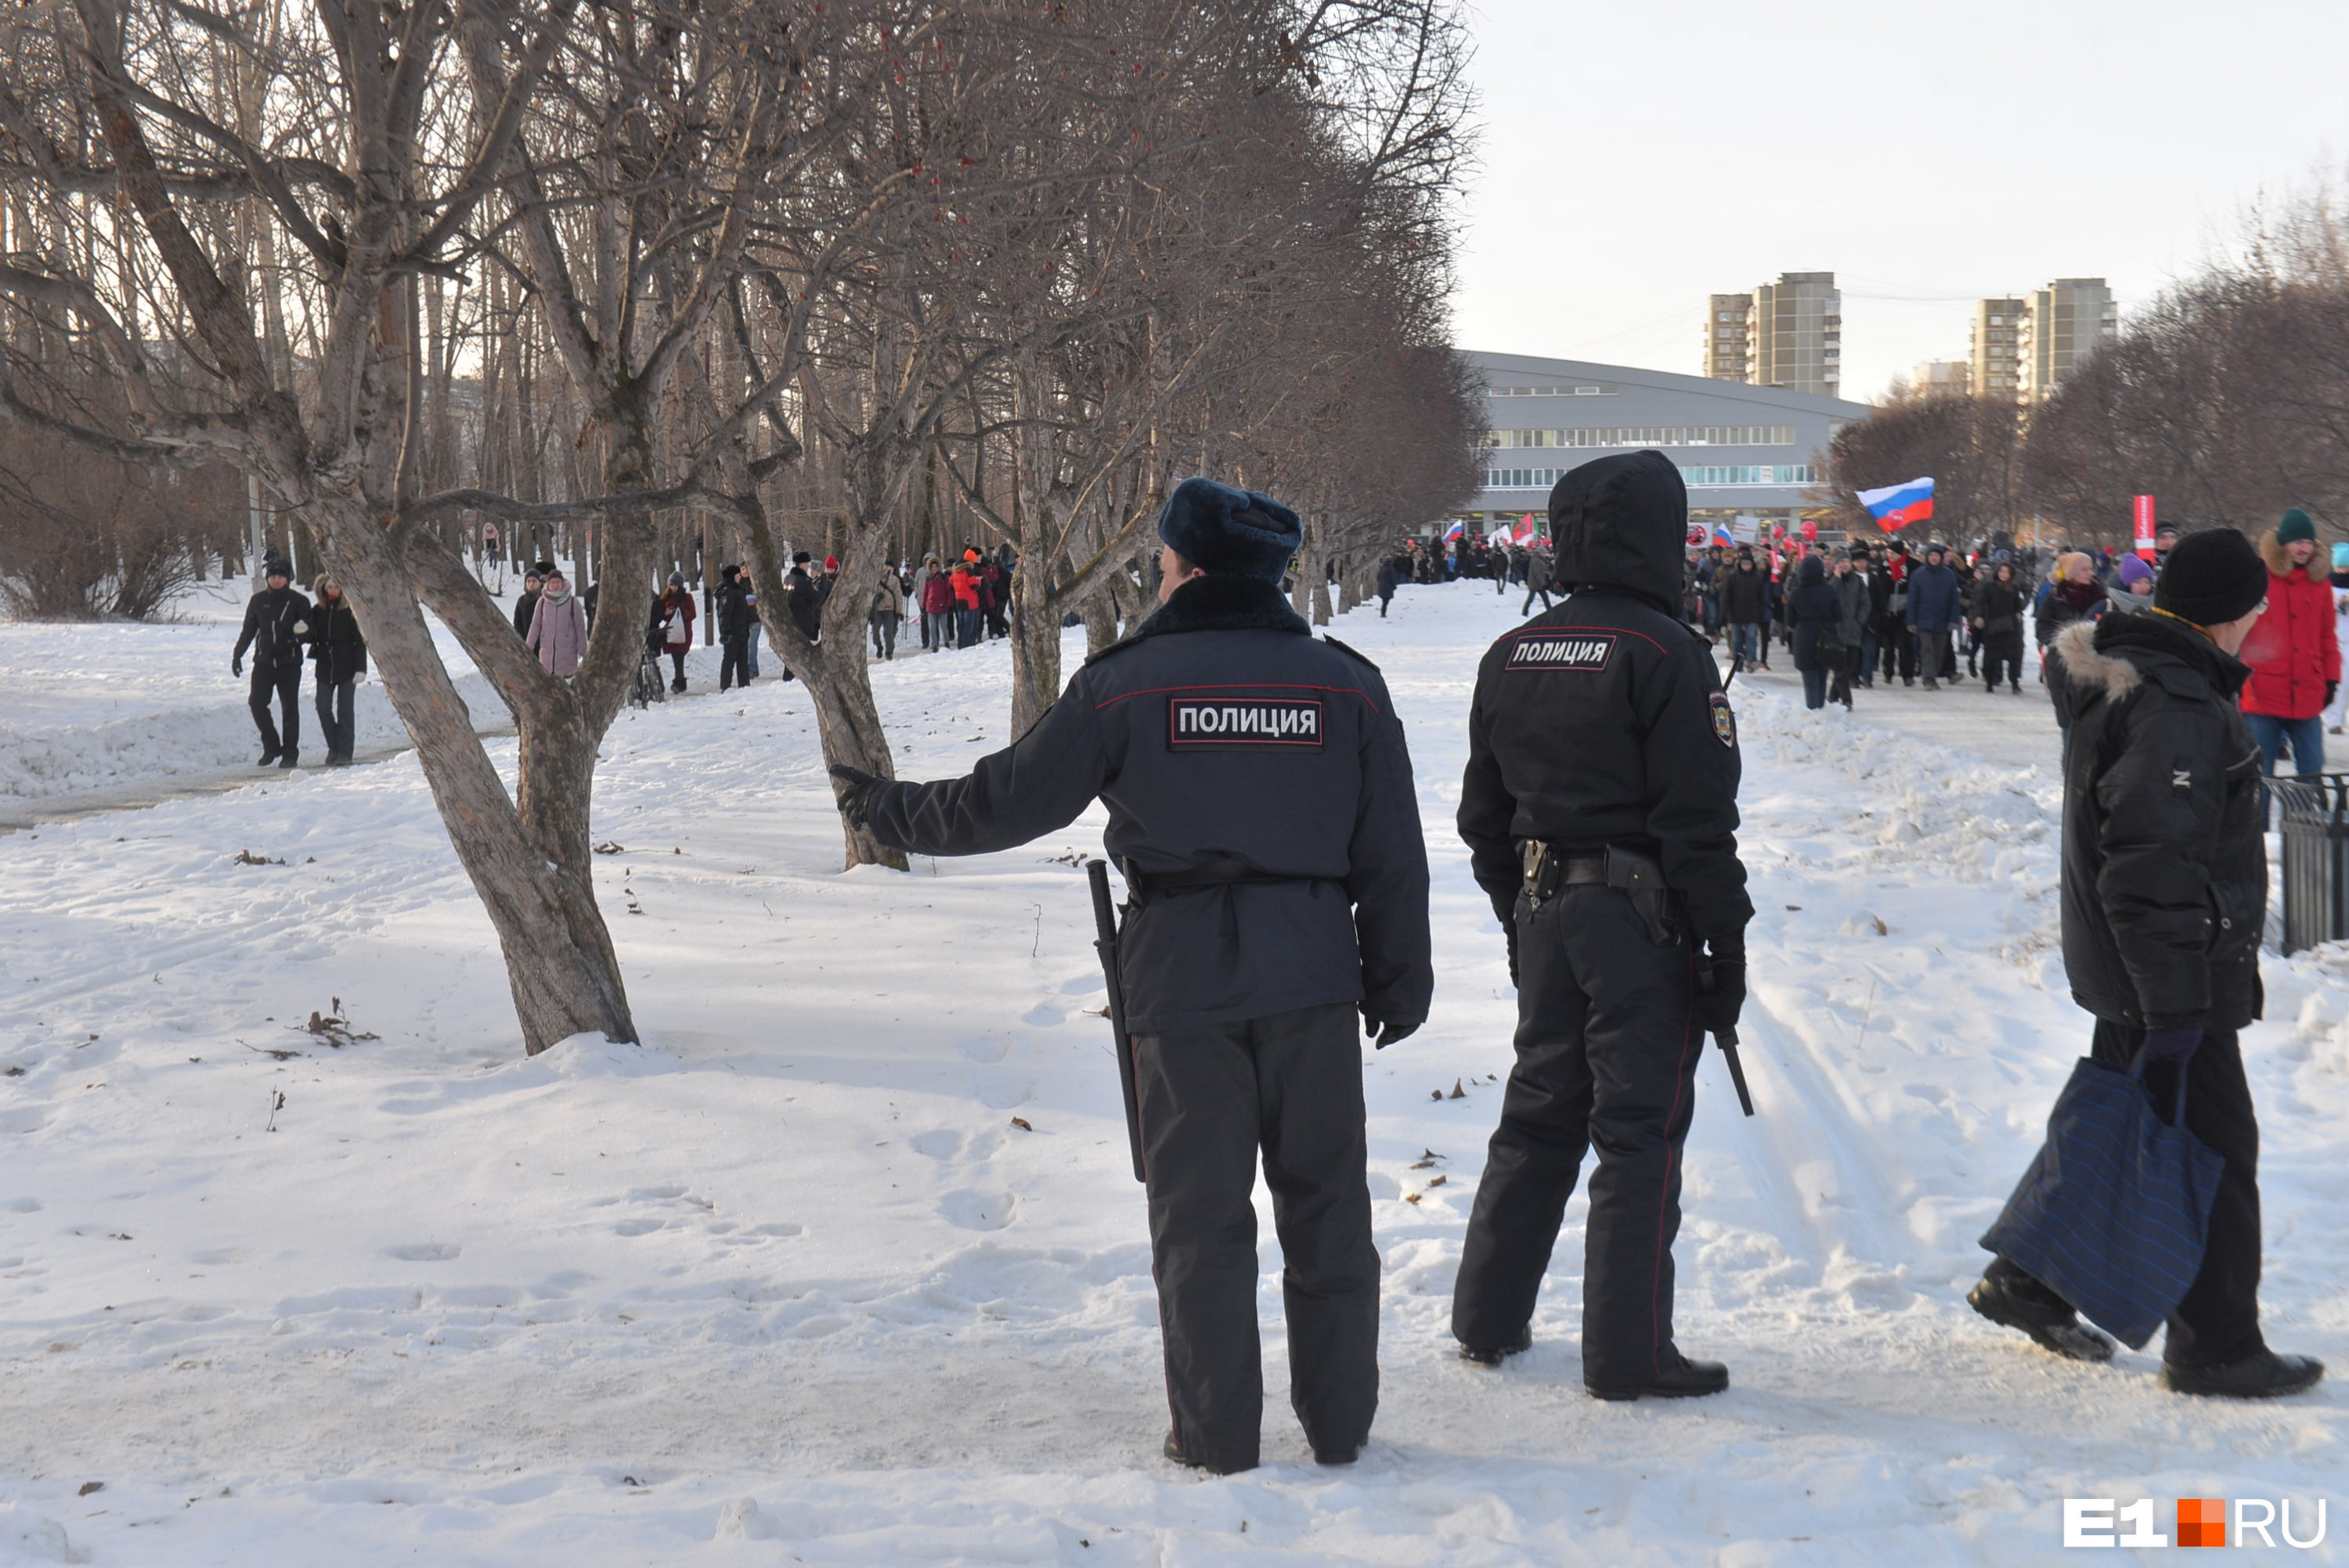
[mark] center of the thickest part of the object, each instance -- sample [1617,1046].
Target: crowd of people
[1849,617]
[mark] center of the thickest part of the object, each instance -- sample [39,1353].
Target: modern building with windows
[1726,318]
[1794,335]
[1996,348]
[2067,321]
[1745,452]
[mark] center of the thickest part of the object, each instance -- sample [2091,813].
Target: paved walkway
[1998,726]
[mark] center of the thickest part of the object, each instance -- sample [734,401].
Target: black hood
[1622,522]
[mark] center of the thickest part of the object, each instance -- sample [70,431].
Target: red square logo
[2201,1522]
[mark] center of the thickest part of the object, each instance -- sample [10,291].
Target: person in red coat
[2293,652]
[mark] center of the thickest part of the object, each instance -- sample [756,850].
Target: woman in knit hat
[2074,595]
[2295,654]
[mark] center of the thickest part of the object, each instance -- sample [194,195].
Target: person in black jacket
[276,620]
[1262,808]
[339,651]
[526,601]
[735,618]
[1998,625]
[1746,605]
[1818,647]
[2165,895]
[1599,742]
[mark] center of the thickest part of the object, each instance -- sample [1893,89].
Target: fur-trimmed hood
[2280,564]
[2075,644]
[2113,657]
[1219,602]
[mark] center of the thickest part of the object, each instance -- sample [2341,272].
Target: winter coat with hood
[1854,605]
[2165,874]
[1813,609]
[1391,575]
[1602,722]
[2293,652]
[335,646]
[1933,604]
[558,632]
[1745,594]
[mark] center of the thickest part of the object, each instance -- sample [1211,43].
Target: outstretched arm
[1037,784]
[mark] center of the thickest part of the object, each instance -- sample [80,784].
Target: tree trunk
[1035,644]
[1320,593]
[532,871]
[1100,612]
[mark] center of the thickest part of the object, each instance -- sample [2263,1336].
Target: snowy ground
[791,1283]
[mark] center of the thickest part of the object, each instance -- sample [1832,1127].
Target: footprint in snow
[971,1210]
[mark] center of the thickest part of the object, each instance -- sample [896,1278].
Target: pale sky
[1638,156]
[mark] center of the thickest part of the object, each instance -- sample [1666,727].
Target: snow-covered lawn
[844,1264]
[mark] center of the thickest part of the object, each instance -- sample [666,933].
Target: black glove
[1509,930]
[2171,1045]
[1721,987]
[853,788]
[236,664]
[1393,1032]
[2332,690]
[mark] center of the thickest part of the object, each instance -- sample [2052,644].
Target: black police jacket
[276,623]
[2165,876]
[1221,731]
[1602,722]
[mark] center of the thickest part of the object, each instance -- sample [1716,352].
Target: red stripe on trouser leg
[1672,1157]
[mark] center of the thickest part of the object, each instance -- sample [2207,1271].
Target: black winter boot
[1493,1355]
[2048,1318]
[2266,1376]
[1681,1378]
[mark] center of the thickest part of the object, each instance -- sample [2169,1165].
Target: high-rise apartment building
[1941,378]
[1794,335]
[2062,326]
[1996,353]
[1724,336]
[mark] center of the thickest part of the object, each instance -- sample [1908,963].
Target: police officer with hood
[1600,812]
[1262,808]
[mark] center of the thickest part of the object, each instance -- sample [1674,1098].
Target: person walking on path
[1814,610]
[2293,653]
[339,652]
[673,615]
[1539,577]
[276,623]
[921,597]
[558,628]
[526,601]
[1998,627]
[970,597]
[2164,894]
[2074,595]
[1260,801]
[1599,808]
[1745,604]
[938,603]
[1933,609]
[1390,577]
[737,617]
[1853,606]
[888,609]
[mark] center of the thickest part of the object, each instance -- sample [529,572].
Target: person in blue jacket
[1933,608]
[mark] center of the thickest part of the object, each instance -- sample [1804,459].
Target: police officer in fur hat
[1262,810]
[1601,812]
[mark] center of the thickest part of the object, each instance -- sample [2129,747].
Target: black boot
[268,756]
[2266,1376]
[1493,1355]
[1681,1378]
[290,759]
[1174,1450]
[2048,1318]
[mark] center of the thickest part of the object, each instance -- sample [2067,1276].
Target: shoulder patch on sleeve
[1350,653]
[1725,721]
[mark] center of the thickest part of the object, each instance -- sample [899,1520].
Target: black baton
[1727,1040]
[1105,944]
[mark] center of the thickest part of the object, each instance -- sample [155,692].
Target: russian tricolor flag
[1454,532]
[1895,507]
[1723,535]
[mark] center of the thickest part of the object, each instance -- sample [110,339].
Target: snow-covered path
[792,1282]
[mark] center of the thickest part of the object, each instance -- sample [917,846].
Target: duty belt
[1548,867]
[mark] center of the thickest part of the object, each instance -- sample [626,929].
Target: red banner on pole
[2143,510]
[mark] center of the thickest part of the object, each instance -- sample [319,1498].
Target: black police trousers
[2218,1323]
[286,686]
[1290,1083]
[1607,1052]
